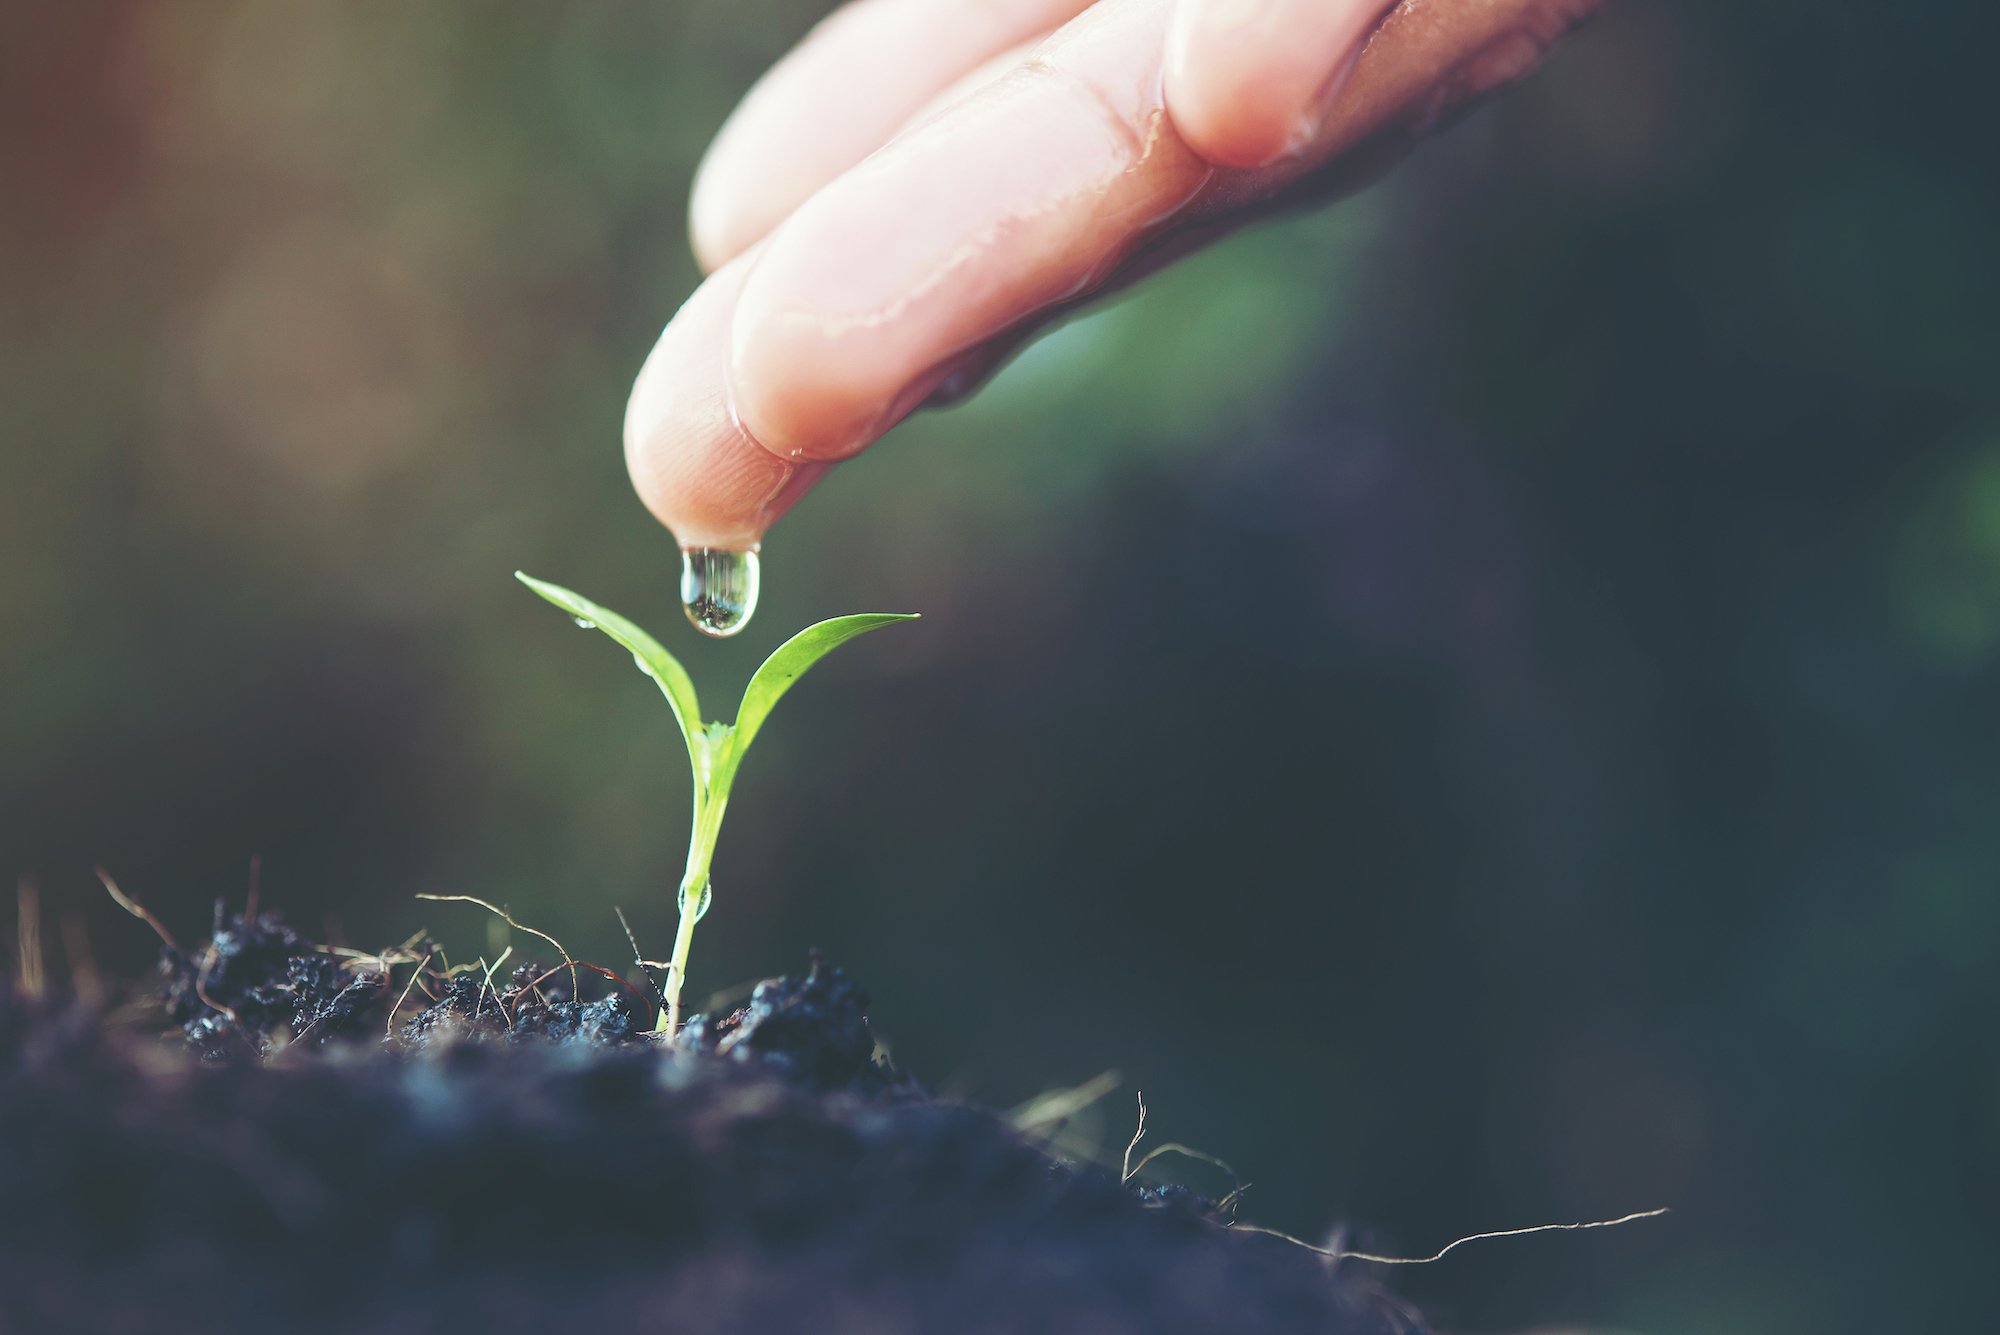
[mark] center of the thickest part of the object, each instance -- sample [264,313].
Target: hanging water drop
[585,623]
[718,588]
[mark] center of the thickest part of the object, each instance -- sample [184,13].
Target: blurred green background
[1481,702]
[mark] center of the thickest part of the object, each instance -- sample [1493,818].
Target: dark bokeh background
[1481,702]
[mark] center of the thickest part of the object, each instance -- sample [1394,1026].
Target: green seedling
[714,749]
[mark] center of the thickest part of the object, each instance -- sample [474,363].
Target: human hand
[919,184]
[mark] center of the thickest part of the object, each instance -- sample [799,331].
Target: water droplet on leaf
[585,623]
[707,895]
[718,589]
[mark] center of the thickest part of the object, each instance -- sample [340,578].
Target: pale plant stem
[694,884]
[670,1018]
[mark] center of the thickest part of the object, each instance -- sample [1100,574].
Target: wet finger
[1019,196]
[849,86]
[1250,82]
[691,461]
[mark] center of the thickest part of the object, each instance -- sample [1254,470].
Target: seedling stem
[714,749]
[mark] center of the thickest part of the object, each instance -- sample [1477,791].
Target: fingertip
[755,172]
[1020,197]
[691,461]
[807,392]
[715,220]
[845,90]
[1249,83]
[813,375]
[1229,119]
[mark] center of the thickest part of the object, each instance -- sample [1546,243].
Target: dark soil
[310,1150]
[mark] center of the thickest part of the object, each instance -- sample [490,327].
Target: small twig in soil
[1341,1254]
[646,966]
[389,1029]
[594,968]
[256,887]
[138,910]
[509,919]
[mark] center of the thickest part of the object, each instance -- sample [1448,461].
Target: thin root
[208,958]
[510,920]
[486,985]
[1227,1205]
[1341,1254]
[28,917]
[389,1029]
[383,960]
[594,968]
[646,966]
[1126,1169]
[1129,1170]
[1186,1152]
[137,910]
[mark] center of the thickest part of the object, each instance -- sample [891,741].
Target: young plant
[714,749]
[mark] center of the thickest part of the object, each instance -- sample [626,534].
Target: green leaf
[647,652]
[790,662]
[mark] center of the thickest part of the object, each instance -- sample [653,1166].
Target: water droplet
[585,623]
[707,896]
[718,588]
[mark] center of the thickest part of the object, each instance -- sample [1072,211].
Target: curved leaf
[647,652]
[790,662]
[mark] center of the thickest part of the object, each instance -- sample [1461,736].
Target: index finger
[1032,192]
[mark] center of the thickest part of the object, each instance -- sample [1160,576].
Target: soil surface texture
[321,1144]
